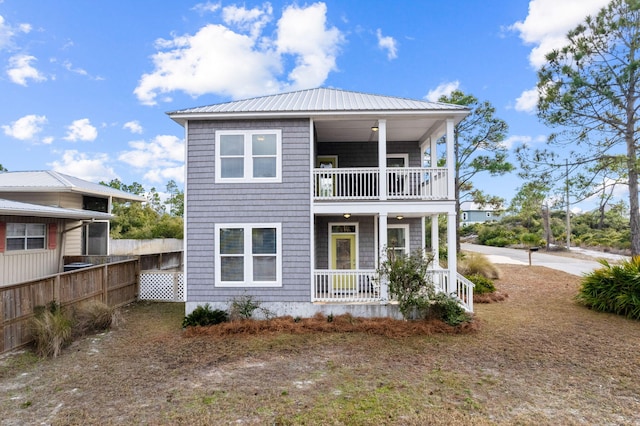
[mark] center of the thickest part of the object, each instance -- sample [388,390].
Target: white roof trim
[16,208]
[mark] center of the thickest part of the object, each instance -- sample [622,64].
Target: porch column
[452,255]
[433,154]
[451,160]
[435,241]
[382,160]
[382,238]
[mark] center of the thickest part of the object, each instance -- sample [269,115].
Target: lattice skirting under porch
[162,286]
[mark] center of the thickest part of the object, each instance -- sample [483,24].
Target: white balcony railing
[421,183]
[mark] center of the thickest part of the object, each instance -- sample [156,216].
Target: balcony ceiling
[359,130]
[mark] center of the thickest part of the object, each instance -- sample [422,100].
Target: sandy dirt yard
[534,358]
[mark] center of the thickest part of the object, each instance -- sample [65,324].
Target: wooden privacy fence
[114,284]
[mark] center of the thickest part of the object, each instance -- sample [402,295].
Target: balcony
[406,183]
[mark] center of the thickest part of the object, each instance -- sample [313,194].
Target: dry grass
[477,263]
[538,358]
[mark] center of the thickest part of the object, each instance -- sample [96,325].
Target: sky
[85,85]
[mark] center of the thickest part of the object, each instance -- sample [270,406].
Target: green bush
[613,288]
[448,309]
[51,329]
[409,282]
[205,315]
[498,242]
[481,283]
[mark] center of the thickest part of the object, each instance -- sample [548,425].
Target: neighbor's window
[248,255]
[26,236]
[248,156]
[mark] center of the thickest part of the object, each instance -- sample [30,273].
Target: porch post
[452,255]
[382,238]
[433,153]
[451,160]
[435,240]
[382,160]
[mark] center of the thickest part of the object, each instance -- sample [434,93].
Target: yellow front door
[343,257]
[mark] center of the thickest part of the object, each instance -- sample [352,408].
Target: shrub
[613,288]
[409,282]
[481,283]
[477,264]
[51,328]
[94,316]
[447,308]
[205,315]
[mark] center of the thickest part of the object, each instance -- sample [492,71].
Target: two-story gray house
[295,198]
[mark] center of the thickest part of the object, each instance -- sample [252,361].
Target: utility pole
[566,165]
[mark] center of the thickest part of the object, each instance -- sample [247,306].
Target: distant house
[471,213]
[295,198]
[45,215]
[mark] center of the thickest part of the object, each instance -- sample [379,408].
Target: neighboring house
[293,198]
[45,215]
[471,213]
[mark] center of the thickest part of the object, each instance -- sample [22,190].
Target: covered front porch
[350,247]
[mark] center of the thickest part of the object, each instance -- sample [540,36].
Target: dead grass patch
[496,296]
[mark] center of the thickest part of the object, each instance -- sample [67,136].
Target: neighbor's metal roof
[50,181]
[16,208]
[321,100]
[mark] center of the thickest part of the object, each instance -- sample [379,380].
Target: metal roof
[16,208]
[320,100]
[51,181]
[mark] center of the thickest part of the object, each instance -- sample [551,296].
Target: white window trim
[248,158]
[407,237]
[248,260]
[405,157]
[25,237]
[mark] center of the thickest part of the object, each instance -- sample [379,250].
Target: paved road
[521,257]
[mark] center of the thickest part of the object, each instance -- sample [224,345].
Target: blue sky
[85,85]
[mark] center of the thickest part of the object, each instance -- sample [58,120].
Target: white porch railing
[362,285]
[353,285]
[422,183]
[463,289]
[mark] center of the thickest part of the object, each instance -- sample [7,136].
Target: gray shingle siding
[365,154]
[287,203]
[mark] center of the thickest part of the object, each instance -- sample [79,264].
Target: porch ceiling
[359,130]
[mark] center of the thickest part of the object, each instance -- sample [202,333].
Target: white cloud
[20,70]
[523,140]
[387,43]
[548,22]
[8,32]
[81,130]
[443,89]
[93,168]
[242,61]
[25,128]
[163,158]
[203,8]
[133,126]
[528,101]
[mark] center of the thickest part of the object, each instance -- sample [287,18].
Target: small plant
[446,308]
[204,316]
[330,318]
[51,328]
[481,283]
[94,316]
[243,307]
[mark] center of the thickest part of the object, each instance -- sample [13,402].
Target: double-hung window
[398,240]
[248,255]
[26,236]
[248,156]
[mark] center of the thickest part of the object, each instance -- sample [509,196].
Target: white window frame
[25,237]
[248,255]
[407,237]
[248,157]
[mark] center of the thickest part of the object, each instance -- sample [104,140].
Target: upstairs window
[248,156]
[26,236]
